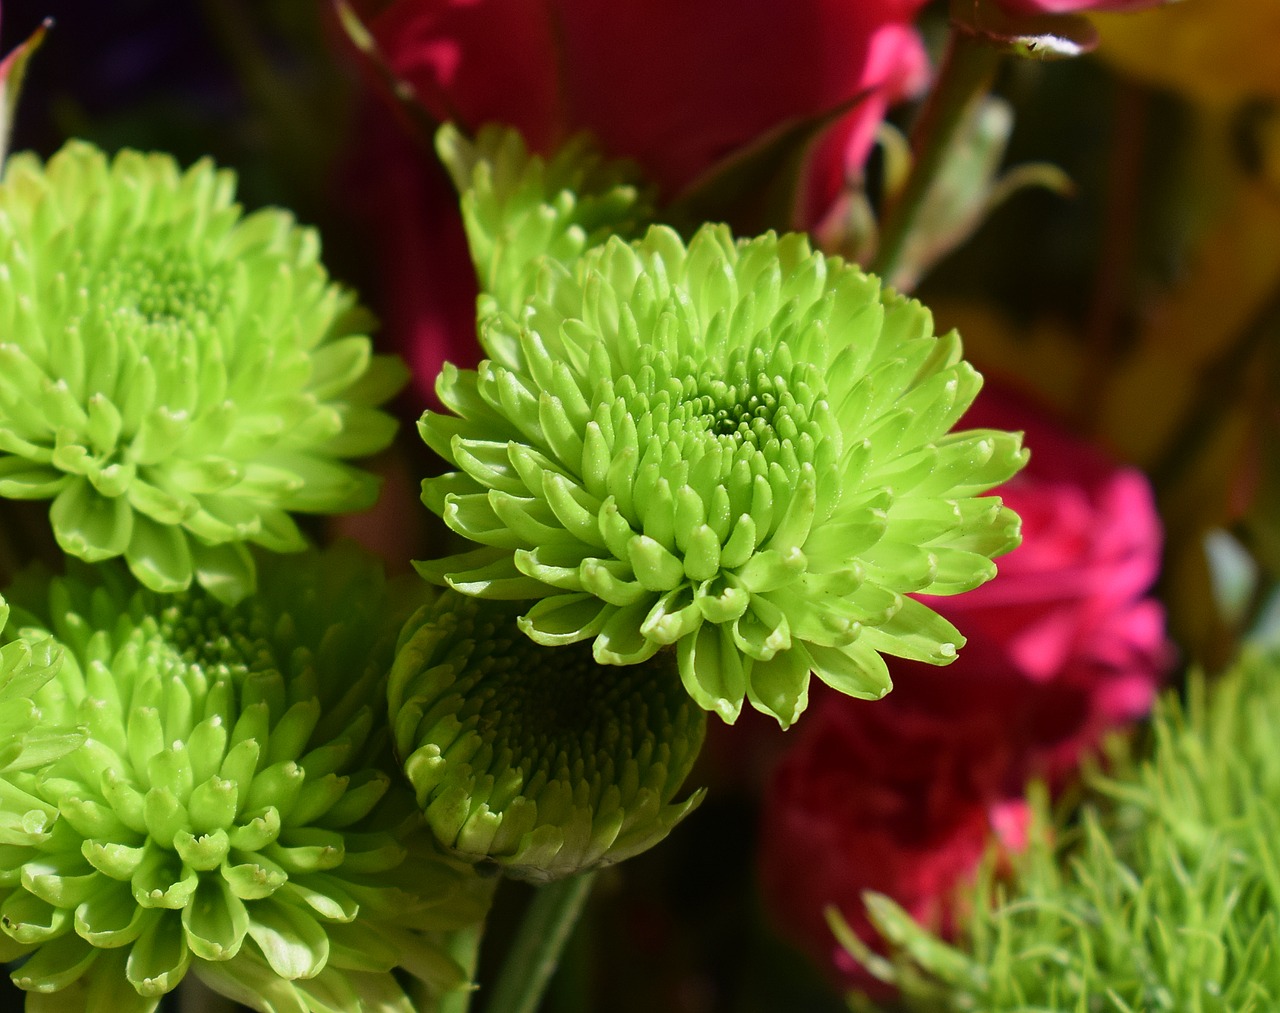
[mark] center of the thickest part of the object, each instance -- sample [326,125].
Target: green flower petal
[88,524]
[56,965]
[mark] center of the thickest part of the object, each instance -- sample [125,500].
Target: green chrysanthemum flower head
[519,208]
[232,810]
[737,450]
[534,758]
[175,375]
[25,739]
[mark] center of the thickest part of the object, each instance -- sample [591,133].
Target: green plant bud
[176,376]
[537,759]
[207,824]
[740,450]
[519,208]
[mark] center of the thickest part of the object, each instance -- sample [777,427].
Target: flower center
[563,718]
[161,291]
[758,409]
[552,715]
[201,642]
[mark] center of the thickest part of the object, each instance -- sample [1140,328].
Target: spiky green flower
[232,811]
[531,757]
[1165,897]
[175,375]
[737,449]
[519,208]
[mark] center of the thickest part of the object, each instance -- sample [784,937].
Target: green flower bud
[535,758]
[174,375]
[519,208]
[232,811]
[739,450]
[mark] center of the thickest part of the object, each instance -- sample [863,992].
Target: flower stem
[464,947]
[536,951]
[967,68]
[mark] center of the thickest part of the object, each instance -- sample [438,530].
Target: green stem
[965,76]
[546,927]
[464,947]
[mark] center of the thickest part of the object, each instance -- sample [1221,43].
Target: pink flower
[1068,619]
[878,797]
[902,796]
[672,84]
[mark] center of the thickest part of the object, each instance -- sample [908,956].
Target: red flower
[902,796]
[1068,620]
[672,84]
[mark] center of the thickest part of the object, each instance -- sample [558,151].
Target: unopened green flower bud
[232,810]
[520,209]
[177,377]
[537,758]
[739,450]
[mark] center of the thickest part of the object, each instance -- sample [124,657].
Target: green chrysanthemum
[520,208]
[230,812]
[741,450]
[532,757]
[174,375]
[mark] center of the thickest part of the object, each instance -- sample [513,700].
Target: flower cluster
[739,449]
[174,375]
[230,811]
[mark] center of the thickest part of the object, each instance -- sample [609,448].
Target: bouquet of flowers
[725,507]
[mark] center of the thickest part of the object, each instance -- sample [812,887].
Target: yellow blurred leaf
[1235,271]
[1213,51]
